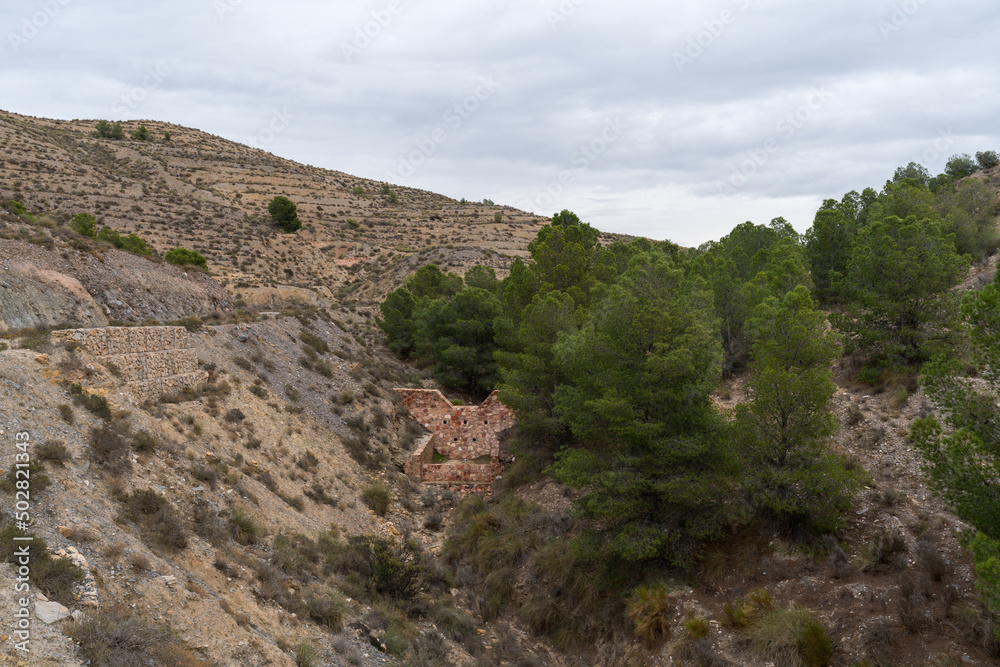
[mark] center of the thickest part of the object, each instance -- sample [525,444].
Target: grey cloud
[897,79]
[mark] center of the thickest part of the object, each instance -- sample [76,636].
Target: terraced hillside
[208,194]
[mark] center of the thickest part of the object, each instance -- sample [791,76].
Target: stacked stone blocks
[152,360]
[459,432]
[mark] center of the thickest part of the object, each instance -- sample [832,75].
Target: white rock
[50,612]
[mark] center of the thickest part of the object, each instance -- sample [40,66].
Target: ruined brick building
[464,443]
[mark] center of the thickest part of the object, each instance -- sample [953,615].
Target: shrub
[329,609]
[55,576]
[377,497]
[790,633]
[314,341]
[66,412]
[54,451]
[284,214]
[144,443]
[244,527]
[206,474]
[454,623]
[387,567]
[98,405]
[206,522]
[433,521]
[80,534]
[28,477]
[234,416]
[911,603]
[113,637]
[109,448]
[185,257]
[157,517]
[84,224]
[306,654]
[545,616]
[132,243]
[192,323]
[932,560]
[35,340]
[745,613]
[886,552]
[15,207]
[648,609]
[307,461]
[142,134]
[106,130]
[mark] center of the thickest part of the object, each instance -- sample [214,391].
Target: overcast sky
[677,120]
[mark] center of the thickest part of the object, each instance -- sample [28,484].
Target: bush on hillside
[185,257]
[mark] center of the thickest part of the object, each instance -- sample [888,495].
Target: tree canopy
[284,214]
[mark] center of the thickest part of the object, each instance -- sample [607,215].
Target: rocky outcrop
[40,287]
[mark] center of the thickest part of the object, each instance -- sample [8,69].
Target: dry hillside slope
[208,194]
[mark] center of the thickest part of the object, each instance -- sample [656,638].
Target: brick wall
[460,432]
[421,456]
[152,360]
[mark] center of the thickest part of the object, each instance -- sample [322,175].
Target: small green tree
[530,374]
[639,374]
[84,224]
[284,214]
[987,159]
[185,257]
[456,333]
[898,278]
[397,320]
[142,134]
[960,166]
[969,212]
[964,464]
[106,130]
[828,245]
[783,428]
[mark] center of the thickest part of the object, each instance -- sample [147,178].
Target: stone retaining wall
[152,361]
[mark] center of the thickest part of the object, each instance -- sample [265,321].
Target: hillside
[210,195]
[226,452]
